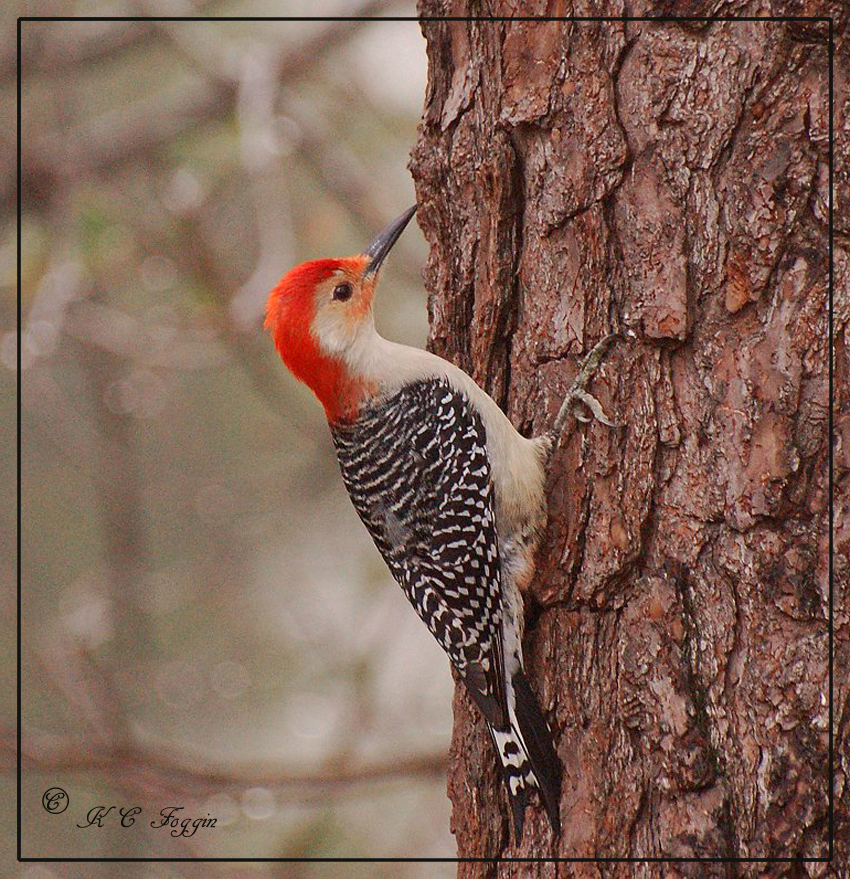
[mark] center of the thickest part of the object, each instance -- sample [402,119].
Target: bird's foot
[578,395]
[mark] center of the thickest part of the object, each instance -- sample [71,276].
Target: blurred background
[206,624]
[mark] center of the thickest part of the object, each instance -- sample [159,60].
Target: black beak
[382,244]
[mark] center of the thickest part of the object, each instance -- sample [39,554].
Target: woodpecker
[452,495]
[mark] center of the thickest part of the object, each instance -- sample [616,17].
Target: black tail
[528,758]
[541,750]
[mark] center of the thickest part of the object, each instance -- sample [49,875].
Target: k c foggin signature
[168,818]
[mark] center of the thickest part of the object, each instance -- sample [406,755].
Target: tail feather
[528,757]
[541,751]
[515,770]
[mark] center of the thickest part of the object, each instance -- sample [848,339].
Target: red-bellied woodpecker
[452,495]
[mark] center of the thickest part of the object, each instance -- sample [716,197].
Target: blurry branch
[120,507]
[135,129]
[155,769]
[337,169]
[221,59]
[158,770]
[247,79]
[267,190]
[69,50]
[72,674]
[125,133]
[305,131]
[199,261]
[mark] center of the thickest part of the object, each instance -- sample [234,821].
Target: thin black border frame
[419,19]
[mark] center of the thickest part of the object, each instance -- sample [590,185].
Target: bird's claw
[578,392]
[595,407]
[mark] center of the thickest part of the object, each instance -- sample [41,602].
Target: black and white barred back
[417,470]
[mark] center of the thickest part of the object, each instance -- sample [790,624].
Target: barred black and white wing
[416,468]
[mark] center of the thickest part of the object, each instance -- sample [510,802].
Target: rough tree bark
[669,182]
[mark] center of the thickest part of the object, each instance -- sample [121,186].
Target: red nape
[289,315]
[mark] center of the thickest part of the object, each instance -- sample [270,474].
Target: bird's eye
[342,292]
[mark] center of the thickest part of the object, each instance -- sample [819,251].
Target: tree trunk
[668,182]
